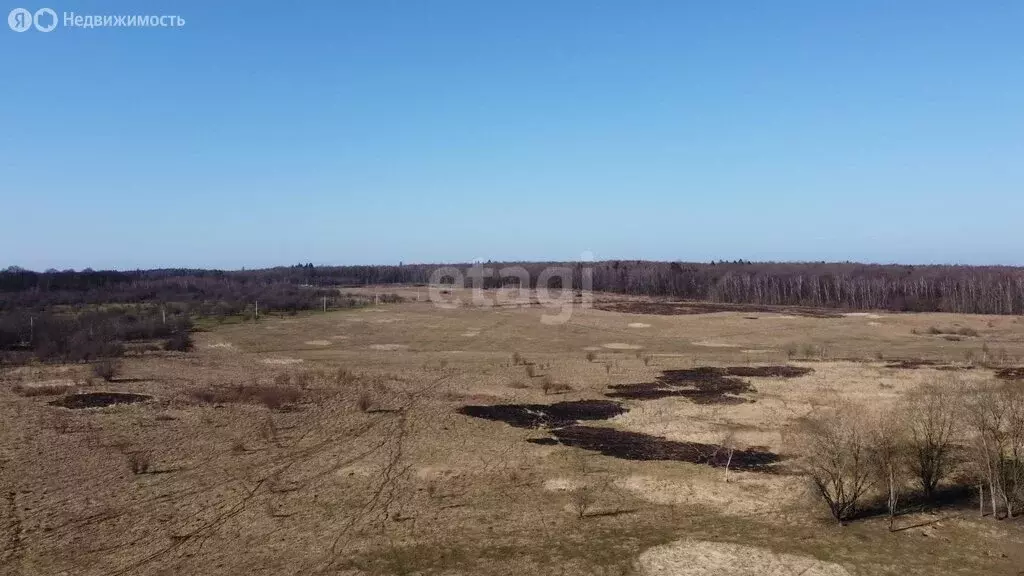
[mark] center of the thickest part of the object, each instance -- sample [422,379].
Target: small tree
[995,416]
[837,458]
[728,445]
[931,418]
[889,456]
[581,498]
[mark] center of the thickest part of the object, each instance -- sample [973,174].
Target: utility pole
[163,312]
[325,303]
[31,329]
[257,310]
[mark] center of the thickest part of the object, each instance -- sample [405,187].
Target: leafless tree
[837,457]
[889,454]
[729,445]
[931,417]
[995,415]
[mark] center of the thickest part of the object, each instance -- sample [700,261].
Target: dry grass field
[333,444]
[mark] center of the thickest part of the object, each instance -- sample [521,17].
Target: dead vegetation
[369,470]
[273,396]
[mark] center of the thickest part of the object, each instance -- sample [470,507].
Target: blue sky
[420,131]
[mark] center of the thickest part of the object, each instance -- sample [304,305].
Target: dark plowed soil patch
[768,371]
[1016,373]
[706,384]
[656,390]
[636,446]
[910,364]
[547,415]
[685,308]
[98,399]
[915,364]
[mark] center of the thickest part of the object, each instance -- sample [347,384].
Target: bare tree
[837,458]
[931,418]
[889,454]
[995,415]
[728,445]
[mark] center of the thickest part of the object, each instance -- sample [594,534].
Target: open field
[340,443]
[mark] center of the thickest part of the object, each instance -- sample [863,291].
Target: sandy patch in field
[758,423]
[389,347]
[339,337]
[621,346]
[318,343]
[592,348]
[282,361]
[638,325]
[874,323]
[560,484]
[714,344]
[221,345]
[755,351]
[471,334]
[861,315]
[386,320]
[67,385]
[703,558]
[778,317]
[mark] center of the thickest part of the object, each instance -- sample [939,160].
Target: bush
[365,402]
[106,369]
[273,397]
[591,356]
[179,342]
[139,462]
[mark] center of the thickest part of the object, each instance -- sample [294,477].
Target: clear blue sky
[383,131]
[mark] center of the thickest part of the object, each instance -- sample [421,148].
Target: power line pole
[257,310]
[325,303]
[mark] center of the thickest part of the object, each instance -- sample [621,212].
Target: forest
[80,315]
[899,288]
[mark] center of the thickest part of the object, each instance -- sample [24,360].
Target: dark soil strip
[686,308]
[768,371]
[1010,373]
[915,364]
[546,415]
[654,391]
[98,400]
[636,446]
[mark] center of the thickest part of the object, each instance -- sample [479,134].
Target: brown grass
[273,396]
[340,486]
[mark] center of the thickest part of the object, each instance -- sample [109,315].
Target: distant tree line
[963,289]
[74,316]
